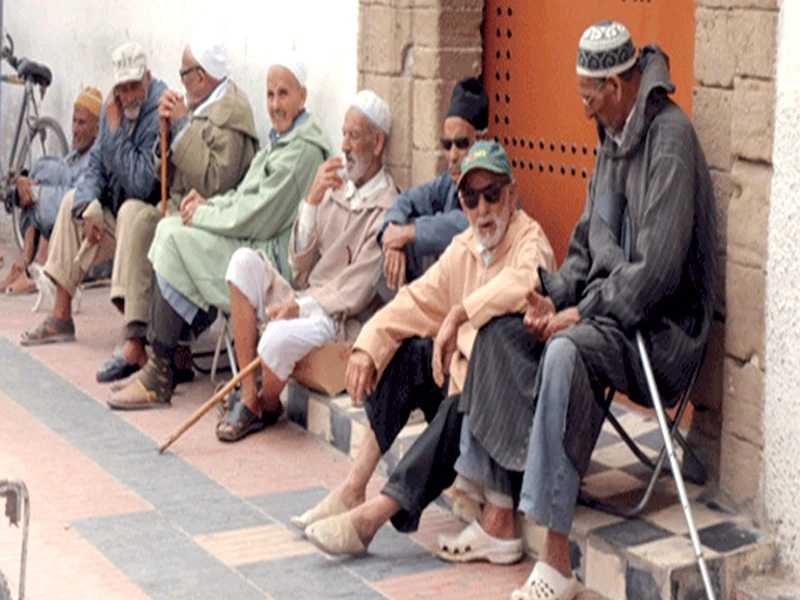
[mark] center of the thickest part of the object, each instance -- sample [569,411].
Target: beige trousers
[71,256]
[136,275]
[67,260]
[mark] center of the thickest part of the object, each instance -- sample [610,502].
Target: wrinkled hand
[172,106]
[92,230]
[113,111]
[25,192]
[398,237]
[394,268]
[326,178]
[538,314]
[445,343]
[360,376]
[561,320]
[189,204]
[285,310]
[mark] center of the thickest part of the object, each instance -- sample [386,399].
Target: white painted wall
[75,39]
[782,384]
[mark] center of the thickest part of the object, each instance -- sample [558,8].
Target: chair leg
[226,337]
[673,460]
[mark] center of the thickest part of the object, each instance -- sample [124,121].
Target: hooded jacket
[257,214]
[664,284]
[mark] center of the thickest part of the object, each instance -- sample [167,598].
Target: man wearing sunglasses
[424,219]
[414,354]
[212,139]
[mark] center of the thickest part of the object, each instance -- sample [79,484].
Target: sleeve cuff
[310,307]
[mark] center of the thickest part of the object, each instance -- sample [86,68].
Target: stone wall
[782,376]
[734,113]
[411,52]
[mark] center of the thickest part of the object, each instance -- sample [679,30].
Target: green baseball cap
[487,155]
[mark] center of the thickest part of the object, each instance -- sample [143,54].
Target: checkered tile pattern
[648,557]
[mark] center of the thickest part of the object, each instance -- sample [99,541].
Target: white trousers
[285,341]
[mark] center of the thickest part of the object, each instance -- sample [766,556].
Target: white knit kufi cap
[374,108]
[290,61]
[605,49]
[210,53]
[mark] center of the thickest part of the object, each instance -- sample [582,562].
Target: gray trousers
[551,483]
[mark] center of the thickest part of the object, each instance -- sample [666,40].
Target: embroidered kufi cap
[605,49]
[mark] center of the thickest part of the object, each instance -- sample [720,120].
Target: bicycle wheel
[5,593]
[46,139]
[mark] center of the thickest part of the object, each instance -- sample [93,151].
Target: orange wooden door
[535,110]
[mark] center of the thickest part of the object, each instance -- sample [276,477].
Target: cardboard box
[323,369]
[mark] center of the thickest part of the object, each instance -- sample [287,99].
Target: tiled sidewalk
[111,518]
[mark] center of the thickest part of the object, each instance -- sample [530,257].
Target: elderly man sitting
[191,252]
[643,262]
[485,272]
[40,193]
[119,170]
[424,219]
[334,258]
[213,140]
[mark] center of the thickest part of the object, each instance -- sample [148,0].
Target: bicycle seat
[37,73]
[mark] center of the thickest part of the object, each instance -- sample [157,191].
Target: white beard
[500,226]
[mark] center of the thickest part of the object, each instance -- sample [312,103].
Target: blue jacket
[120,162]
[434,208]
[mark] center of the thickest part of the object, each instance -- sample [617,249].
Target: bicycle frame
[28,113]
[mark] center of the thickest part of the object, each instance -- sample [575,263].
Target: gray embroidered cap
[605,49]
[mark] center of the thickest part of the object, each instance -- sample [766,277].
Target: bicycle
[34,136]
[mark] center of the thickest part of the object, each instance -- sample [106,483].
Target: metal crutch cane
[673,462]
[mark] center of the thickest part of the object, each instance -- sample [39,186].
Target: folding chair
[697,475]
[224,341]
[669,433]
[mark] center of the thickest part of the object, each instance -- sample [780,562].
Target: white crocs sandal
[474,544]
[545,583]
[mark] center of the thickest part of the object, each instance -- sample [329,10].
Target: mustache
[132,103]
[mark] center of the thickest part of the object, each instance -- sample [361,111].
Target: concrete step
[767,587]
[645,558]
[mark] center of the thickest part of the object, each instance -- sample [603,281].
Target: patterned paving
[651,556]
[111,518]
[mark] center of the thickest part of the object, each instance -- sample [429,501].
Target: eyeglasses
[462,143]
[184,72]
[587,101]
[491,193]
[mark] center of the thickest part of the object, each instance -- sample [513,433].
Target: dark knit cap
[469,102]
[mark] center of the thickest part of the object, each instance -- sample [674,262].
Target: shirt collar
[486,255]
[274,136]
[215,95]
[357,196]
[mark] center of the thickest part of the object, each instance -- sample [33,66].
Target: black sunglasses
[462,143]
[184,72]
[491,193]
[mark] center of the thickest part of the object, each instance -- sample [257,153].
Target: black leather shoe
[115,368]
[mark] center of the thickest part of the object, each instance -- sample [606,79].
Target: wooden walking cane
[215,399]
[164,133]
